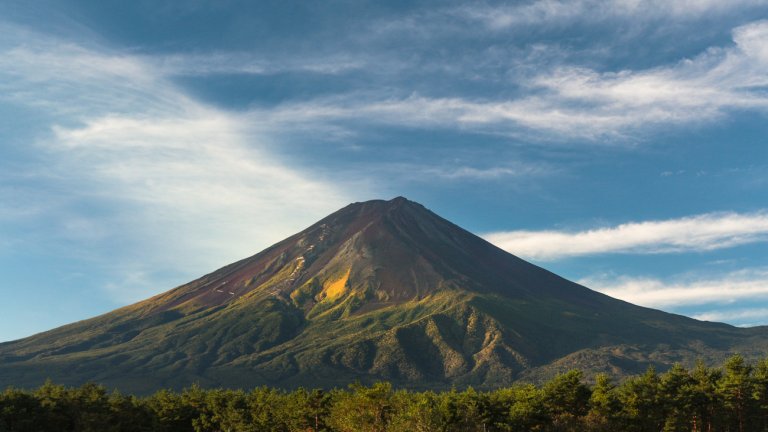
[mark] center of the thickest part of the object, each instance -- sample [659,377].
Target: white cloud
[577,102]
[559,101]
[542,12]
[491,173]
[69,82]
[748,316]
[696,233]
[751,284]
[194,177]
[127,159]
[249,64]
[458,172]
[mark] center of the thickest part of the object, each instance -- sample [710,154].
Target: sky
[622,144]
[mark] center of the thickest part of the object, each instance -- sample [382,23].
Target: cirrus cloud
[745,316]
[568,101]
[696,233]
[124,157]
[558,11]
[748,284]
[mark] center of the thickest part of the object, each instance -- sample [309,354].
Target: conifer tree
[641,404]
[706,405]
[736,390]
[603,405]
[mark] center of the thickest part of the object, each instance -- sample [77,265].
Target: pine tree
[641,403]
[677,393]
[603,405]
[736,390]
[706,408]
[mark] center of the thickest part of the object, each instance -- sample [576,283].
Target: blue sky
[619,143]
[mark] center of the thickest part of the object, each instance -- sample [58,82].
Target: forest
[732,397]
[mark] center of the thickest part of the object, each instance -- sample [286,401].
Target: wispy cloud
[696,233]
[743,316]
[489,173]
[250,64]
[554,99]
[129,159]
[460,172]
[184,172]
[750,284]
[576,102]
[560,11]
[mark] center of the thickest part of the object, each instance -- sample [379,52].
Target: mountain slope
[377,290]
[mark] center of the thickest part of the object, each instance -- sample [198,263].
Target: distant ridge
[377,290]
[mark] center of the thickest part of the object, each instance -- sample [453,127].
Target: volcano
[379,290]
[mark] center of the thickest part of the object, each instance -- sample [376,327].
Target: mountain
[377,290]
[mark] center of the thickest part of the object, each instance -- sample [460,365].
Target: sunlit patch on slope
[334,289]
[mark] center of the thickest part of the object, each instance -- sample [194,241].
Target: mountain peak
[377,290]
[400,200]
[381,206]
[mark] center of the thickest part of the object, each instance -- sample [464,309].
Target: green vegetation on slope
[450,338]
[733,397]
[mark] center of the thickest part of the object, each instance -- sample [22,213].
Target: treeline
[732,398]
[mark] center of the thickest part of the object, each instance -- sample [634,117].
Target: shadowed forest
[733,397]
